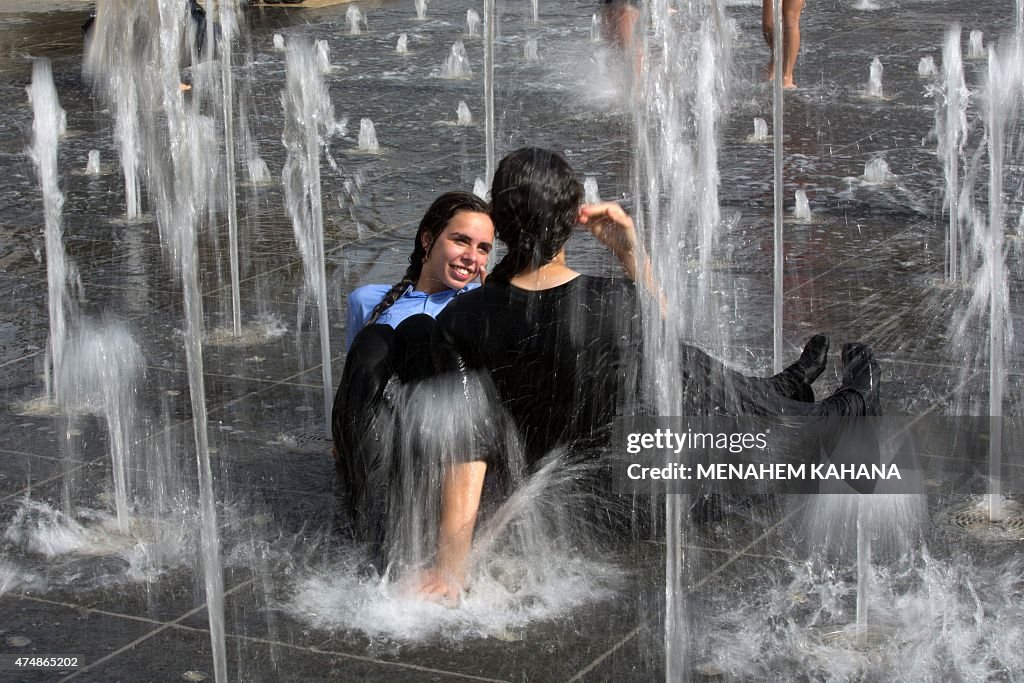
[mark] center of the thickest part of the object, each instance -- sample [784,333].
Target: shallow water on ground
[867,267]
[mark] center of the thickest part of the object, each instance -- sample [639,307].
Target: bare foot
[769,76]
[184,87]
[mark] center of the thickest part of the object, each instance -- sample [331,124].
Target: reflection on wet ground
[868,266]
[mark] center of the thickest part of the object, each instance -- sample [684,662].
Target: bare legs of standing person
[791,10]
[619,19]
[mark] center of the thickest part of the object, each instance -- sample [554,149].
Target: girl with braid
[389,329]
[561,350]
[458,226]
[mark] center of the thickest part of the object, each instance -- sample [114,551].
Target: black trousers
[379,355]
[723,390]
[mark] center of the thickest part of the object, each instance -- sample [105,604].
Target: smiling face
[459,254]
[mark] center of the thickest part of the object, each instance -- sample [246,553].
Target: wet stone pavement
[869,266]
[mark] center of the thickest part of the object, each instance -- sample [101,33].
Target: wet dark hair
[434,221]
[535,204]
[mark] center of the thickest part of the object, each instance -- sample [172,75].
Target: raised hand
[435,585]
[612,226]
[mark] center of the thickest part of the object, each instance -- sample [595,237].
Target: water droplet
[18,641]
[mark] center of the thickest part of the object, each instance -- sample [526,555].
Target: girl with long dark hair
[389,329]
[562,349]
[449,252]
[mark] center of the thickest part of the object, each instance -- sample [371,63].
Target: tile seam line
[632,634]
[93,610]
[346,655]
[258,380]
[743,551]
[28,489]
[53,458]
[177,625]
[21,359]
[141,639]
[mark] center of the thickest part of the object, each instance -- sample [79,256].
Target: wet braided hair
[434,221]
[535,203]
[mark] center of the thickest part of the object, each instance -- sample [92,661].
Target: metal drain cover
[228,338]
[974,520]
[303,442]
[874,638]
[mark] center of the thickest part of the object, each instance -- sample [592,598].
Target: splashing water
[421,9]
[590,193]
[480,188]
[876,172]
[457,64]
[309,123]
[926,67]
[48,124]
[160,539]
[490,40]
[103,366]
[259,172]
[402,46]
[472,23]
[323,58]
[676,180]
[802,207]
[92,166]
[976,45]
[505,599]
[1004,83]
[367,137]
[951,132]
[874,88]
[519,572]
[229,28]
[760,131]
[530,50]
[172,138]
[357,20]
[39,529]
[278,42]
[113,75]
[595,29]
[464,117]
[14,576]
[930,624]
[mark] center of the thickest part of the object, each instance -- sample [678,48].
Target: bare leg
[619,20]
[768,31]
[791,10]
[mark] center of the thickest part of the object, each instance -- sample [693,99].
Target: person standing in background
[791,10]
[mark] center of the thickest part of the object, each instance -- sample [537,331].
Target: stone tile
[56,629]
